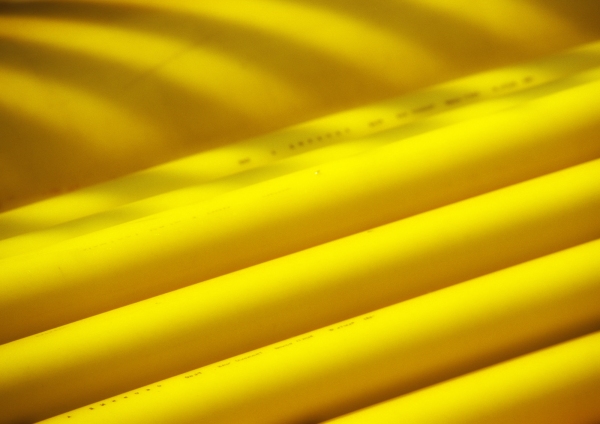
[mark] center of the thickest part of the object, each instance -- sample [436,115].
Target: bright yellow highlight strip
[211,165]
[35,240]
[558,385]
[210,321]
[385,353]
[122,264]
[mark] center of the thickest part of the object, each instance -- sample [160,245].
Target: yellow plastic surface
[385,353]
[260,151]
[558,385]
[284,212]
[122,264]
[195,326]
[93,90]
[34,240]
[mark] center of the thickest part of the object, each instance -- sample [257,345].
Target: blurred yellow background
[92,90]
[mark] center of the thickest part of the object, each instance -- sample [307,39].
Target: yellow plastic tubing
[195,326]
[110,268]
[373,357]
[245,68]
[558,385]
[270,148]
[37,239]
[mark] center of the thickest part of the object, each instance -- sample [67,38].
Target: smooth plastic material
[130,262]
[210,321]
[93,90]
[385,353]
[558,385]
[242,156]
[34,240]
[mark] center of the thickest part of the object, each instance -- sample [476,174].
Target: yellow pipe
[557,385]
[207,74]
[186,196]
[122,264]
[207,322]
[242,156]
[373,357]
